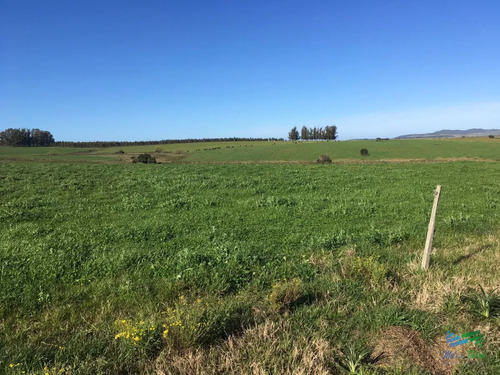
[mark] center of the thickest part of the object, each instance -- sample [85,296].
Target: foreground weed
[204,322]
[186,324]
[133,333]
[364,268]
[16,368]
[482,303]
[353,361]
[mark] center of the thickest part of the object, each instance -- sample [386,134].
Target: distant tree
[491,136]
[26,137]
[330,132]
[293,135]
[304,133]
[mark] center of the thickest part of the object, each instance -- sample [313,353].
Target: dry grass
[399,346]
[263,349]
[460,269]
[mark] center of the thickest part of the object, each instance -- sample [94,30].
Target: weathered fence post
[430,230]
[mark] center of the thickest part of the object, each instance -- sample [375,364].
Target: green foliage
[484,304]
[144,158]
[353,361]
[364,152]
[25,137]
[293,135]
[364,268]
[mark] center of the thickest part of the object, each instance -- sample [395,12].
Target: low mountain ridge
[445,133]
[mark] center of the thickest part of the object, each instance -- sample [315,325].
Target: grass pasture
[244,152]
[197,268]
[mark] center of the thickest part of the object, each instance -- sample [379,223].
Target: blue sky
[146,70]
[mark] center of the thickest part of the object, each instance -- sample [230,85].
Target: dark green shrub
[364,152]
[144,158]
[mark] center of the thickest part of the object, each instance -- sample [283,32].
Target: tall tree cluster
[326,133]
[26,137]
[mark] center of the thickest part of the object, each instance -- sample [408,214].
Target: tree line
[161,142]
[26,137]
[326,133]
[37,137]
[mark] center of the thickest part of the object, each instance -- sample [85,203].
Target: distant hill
[453,134]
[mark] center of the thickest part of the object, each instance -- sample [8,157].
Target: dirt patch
[397,346]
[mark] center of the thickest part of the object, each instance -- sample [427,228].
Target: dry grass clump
[459,270]
[324,158]
[268,348]
[399,346]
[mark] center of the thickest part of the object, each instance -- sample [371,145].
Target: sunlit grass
[135,268]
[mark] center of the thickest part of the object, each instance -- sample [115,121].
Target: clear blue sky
[146,70]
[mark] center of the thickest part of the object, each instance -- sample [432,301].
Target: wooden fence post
[430,230]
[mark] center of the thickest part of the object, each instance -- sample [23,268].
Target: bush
[144,158]
[324,159]
[491,136]
[120,152]
[364,152]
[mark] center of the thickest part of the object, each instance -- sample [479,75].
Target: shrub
[144,158]
[324,159]
[120,152]
[364,152]
[491,136]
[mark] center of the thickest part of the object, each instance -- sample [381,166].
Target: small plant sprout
[352,361]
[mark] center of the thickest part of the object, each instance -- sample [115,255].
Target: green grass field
[192,268]
[227,152]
